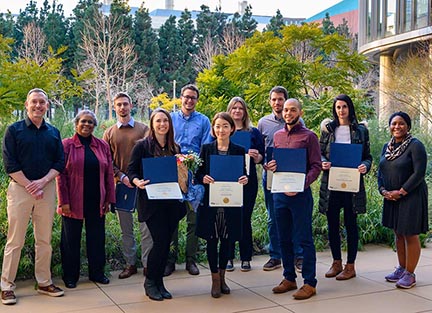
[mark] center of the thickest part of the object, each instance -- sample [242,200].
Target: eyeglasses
[190,98]
[91,122]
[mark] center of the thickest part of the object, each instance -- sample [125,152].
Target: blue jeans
[274,246]
[294,220]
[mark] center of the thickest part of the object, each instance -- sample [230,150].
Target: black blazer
[206,215]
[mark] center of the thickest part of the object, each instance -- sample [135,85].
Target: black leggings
[213,255]
[337,201]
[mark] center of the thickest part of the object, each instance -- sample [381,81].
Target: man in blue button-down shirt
[191,131]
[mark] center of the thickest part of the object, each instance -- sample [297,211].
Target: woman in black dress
[401,182]
[215,224]
[161,216]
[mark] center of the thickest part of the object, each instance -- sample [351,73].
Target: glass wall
[390,10]
[422,14]
[384,18]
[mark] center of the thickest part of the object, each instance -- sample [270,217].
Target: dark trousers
[70,246]
[245,244]
[218,260]
[162,225]
[191,238]
[337,201]
[294,220]
[274,245]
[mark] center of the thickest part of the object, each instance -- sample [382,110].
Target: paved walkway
[250,291]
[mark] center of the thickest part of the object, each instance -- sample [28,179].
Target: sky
[288,8]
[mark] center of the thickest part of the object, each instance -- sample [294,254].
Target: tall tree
[105,43]
[170,60]
[186,72]
[7,24]
[247,25]
[327,25]
[209,24]
[276,24]
[146,45]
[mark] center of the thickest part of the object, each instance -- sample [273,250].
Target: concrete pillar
[385,106]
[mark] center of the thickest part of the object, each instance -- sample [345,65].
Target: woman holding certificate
[238,110]
[343,129]
[220,223]
[85,192]
[401,181]
[161,216]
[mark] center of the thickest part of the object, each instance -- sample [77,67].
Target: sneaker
[396,275]
[406,281]
[50,290]
[245,266]
[230,266]
[8,297]
[272,264]
[298,263]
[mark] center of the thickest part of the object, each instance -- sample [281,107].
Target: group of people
[88,169]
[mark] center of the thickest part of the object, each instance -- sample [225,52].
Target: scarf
[392,152]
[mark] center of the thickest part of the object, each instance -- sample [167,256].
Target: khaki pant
[21,207]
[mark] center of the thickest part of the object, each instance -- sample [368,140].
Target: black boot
[151,290]
[163,291]
[224,287]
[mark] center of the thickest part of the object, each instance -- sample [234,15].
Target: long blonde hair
[246,123]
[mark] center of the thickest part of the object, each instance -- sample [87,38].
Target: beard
[294,121]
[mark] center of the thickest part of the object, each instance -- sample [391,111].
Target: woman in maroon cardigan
[85,192]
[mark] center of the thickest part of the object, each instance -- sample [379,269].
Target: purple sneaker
[407,280]
[396,275]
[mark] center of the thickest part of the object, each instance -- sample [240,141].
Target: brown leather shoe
[305,292]
[335,269]
[128,272]
[347,273]
[284,286]
[192,268]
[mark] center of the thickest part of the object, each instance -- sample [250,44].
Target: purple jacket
[70,187]
[301,137]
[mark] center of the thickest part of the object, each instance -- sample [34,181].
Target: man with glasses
[33,156]
[191,131]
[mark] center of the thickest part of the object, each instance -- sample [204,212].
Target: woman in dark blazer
[238,110]
[161,216]
[215,224]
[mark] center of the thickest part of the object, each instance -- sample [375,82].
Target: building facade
[388,31]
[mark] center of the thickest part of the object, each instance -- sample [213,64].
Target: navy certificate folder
[345,155]
[226,167]
[269,154]
[242,138]
[125,198]
[290,160]
[160,170]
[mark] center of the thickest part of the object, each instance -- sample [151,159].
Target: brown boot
[347,273]
[224,287]
[216,285]
[335,269]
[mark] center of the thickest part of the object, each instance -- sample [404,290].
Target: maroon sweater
[301,137]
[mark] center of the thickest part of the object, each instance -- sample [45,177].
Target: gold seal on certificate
[226,194]
[344,179]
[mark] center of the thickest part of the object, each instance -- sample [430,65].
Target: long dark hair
[351,115]
[171,145]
